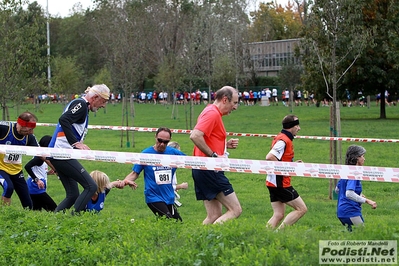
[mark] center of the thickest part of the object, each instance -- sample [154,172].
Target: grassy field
[110,238]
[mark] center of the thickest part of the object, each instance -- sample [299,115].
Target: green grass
[110,238]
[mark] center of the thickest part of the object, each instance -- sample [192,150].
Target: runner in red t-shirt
[209,137]
[155,97]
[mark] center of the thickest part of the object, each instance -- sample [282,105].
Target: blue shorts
[348,221]
[209,183]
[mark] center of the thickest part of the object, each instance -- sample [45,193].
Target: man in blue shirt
[159,192]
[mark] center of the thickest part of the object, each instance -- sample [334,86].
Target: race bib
[13,158]
[163,177]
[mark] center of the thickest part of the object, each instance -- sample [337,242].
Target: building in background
[269,57]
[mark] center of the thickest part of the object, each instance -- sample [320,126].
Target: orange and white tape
[328,171]
[187,131]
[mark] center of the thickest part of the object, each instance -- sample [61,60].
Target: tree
[290,78]
[104,77]
[334,37]
[21,46]
[176,21]
[377,70]
[274,22]
[225,37]
[224,71]
[34,16]
[117,26]
[214,44]
[73,37]
[170,75]
[67,77]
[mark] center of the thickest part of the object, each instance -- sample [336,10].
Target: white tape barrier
[369,173]
[187,131]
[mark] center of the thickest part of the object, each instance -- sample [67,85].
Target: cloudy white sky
[63,7]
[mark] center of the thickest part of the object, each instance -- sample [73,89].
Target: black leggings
[43,201]
[162,209]
[17,182]
[71,172]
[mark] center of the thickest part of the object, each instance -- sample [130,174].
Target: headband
[26,124]
[102,94]
[291,124]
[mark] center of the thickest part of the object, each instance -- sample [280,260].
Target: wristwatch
[214,154]
[36,179]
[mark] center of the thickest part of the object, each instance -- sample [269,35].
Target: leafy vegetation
[22,52]
[275,22]
[111,238]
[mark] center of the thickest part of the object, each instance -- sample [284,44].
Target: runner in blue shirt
[159,192]
[350,197]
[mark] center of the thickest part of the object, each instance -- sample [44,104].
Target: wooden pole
[123,119]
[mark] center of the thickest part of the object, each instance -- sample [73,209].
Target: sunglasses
[164,141]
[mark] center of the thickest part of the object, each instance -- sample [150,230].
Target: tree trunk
[132,113]
[383,114]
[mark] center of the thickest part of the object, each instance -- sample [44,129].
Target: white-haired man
[69,134]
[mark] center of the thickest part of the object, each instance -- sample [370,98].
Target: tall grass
[110,238]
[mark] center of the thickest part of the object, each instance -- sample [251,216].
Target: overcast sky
[61,7]
[64,7]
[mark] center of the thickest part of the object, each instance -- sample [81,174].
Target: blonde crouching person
[104,185]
